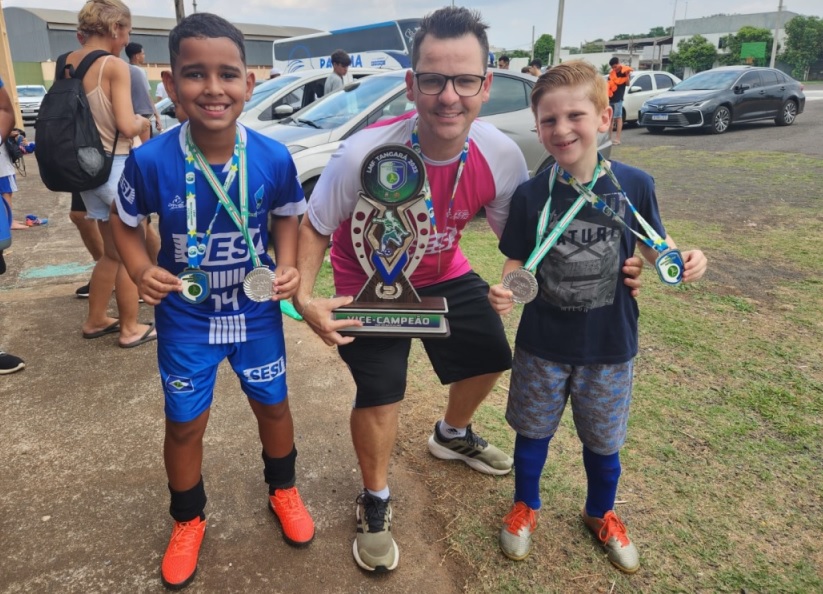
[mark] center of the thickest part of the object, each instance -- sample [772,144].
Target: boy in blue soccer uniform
[578,338]
[215,295]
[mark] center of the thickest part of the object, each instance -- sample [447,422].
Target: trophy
[390,229]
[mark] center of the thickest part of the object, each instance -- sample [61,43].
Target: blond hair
[575,73]
[102,17]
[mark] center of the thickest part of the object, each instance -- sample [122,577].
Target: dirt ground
[83,501]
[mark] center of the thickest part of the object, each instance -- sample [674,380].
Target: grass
[721,485]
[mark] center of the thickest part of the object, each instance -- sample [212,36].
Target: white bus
[381,45]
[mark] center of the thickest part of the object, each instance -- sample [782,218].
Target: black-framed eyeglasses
[465,85]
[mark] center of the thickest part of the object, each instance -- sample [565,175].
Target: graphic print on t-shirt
[580,272]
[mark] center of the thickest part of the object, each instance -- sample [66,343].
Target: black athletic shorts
[477,346]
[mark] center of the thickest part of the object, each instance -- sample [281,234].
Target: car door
[749,97]
[640,88]
[773,93]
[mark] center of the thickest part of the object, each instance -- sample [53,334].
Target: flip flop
[110,329]
[147,337]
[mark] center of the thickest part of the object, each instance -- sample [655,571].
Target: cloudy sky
[511,21]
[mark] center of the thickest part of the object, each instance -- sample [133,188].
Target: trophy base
[406,320]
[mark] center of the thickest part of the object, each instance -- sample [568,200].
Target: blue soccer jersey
[154,182]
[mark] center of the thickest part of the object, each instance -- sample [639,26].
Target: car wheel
[721,120]
[787,113]
[656,129]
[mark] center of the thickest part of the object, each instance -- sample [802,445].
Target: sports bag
[70,154]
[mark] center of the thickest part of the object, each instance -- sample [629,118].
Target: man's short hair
[133,49]
[503,58]
[573,73]
[340,57]
[614,61]
[451,22]
[537,63]
[204,25]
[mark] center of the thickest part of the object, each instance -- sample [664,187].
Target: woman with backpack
[105,25]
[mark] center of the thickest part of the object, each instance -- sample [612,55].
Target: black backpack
[70,154]
[13,149]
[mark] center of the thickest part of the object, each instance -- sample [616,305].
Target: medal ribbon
[652,237]
[198,252]
[427,192]
[542,246]
[240,217]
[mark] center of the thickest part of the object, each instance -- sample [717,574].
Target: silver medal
[522,284]
[258,284]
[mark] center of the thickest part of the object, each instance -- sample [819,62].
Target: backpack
[13,149]
[70,153]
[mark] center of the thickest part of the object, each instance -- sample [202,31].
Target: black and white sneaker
[83,292]
[471,449]
[10,363]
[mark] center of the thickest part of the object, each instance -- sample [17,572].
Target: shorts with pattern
[188,372]
[600,397]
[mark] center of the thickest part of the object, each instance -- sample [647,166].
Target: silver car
[30,97]
[313,134]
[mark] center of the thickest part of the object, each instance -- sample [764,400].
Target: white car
[643,85]
[280,97]
[30,97]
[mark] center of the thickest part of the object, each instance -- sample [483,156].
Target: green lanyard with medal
[522,282]
[257,285]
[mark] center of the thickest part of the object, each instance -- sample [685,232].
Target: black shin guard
[187,505]
[279,472]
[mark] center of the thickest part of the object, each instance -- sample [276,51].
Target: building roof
[637,42]
[67,20]
[730,23]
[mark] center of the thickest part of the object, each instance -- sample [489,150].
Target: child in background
[577,340]
[215,294]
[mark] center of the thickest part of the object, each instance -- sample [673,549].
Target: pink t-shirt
[494,168]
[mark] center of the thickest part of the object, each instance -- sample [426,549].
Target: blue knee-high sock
[529,458]
[603,474]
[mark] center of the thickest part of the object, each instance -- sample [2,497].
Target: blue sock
[529,458]
[603,474]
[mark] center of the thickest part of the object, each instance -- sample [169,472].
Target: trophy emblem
[390,230]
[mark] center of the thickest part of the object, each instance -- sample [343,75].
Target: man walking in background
[140,89]
[618,81]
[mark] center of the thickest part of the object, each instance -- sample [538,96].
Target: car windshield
[31,91]
[711,80]
[338,108]
[269,87]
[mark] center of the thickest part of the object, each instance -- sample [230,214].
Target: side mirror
[635,89]
[169,111]
[282,111]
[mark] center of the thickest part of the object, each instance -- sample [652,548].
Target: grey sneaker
[516,533]
[611,533]
[471,449]
[374,548]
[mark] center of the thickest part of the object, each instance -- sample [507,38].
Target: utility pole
[776,33]
[559,33]
[7,69]
[179,10]
[532,58]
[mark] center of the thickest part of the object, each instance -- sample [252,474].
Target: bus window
[381,45]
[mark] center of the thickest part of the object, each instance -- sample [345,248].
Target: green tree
[519,54]
[695,53]
[544,48]
[804,44]
[659,31]
[592,47]
[746,35]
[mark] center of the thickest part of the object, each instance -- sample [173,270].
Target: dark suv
[717,98]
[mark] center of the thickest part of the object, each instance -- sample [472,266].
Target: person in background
[140,89]
[536,67]
[105,25]
[339,78]
[618,81]
[503,62]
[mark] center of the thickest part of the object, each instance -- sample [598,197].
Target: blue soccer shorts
[188,372]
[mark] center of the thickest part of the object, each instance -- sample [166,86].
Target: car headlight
[295,148]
